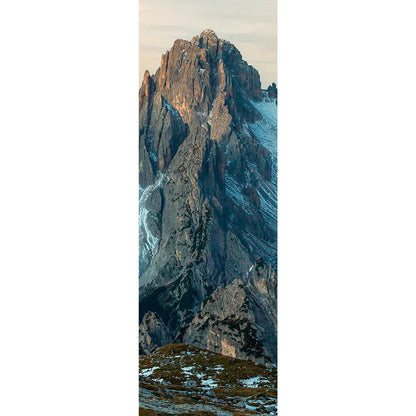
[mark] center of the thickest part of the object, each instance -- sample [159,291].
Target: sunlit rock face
[208,197]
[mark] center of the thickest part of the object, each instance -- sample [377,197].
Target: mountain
[208,203]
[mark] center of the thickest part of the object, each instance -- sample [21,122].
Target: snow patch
[265,130]
[248,407]
[148,239]
[209,384]
[235,191]
[265,249]
[253,382]
[148,371]
[187,370]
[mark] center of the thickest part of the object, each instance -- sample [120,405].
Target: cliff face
[208,203]
[238,320]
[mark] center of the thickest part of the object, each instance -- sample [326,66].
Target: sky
[251,25]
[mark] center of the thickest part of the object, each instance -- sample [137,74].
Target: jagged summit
[194,73]
[208,40]
[205,36]
[208,33]
[207,48]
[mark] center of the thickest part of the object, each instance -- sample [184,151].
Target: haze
[250,25]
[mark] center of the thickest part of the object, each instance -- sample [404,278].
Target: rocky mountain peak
[207,175]
[208,34]
[193,73]
[147,83]
[206,39]
[272,91]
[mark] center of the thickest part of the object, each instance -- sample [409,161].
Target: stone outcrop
[272,91]
[152,333]
[240,319]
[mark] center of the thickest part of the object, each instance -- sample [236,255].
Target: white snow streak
[148,372]
[149,240]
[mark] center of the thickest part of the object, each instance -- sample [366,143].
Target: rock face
[152,333]
[208,202]
[238,320]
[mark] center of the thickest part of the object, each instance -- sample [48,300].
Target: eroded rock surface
[239,320]
[152,333]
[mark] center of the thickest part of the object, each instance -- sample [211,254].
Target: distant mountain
[208,203]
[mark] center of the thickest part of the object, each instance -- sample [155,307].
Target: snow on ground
[187,370]
[266,130]
[206,383]
[248,407]
[209,384]
[267,192]
[268,203]
[265,249]
[234,190]
[148,371]
[253,382]
[159,380]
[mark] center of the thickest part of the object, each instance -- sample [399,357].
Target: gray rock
[241,404]
[210,393]
[237,320]
[153,333]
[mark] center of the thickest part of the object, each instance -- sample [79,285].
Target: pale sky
[251,25]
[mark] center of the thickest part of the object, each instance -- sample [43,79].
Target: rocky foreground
[179,379]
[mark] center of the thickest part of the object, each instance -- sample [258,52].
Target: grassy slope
[218,381]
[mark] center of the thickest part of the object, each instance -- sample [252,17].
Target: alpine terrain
[208,210]
[179,379]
